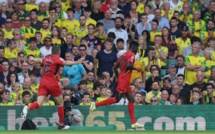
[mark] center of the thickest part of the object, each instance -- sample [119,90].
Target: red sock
[108,101]
[34,105]
[131,112]
[61,114]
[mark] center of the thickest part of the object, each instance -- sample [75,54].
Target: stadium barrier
[187,117]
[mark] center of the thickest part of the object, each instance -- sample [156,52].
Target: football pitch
[104,132]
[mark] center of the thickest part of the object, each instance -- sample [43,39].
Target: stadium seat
[163,72]
[2,128]
[171,61]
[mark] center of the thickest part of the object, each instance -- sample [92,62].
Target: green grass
[105,132]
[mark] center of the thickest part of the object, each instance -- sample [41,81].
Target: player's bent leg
[34,105]
[59,101]
[130,98]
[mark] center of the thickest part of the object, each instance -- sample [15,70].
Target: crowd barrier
[187,117]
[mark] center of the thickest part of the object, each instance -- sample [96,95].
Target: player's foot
[24,112]
[92,107]
[64,127]
[137,125]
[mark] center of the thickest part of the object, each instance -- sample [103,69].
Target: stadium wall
[153,117]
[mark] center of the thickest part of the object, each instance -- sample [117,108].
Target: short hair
[52,8]
[82,82]
[180,56]
[143,14]
[180,75]
[109,40]
[32,73]
[167,79]
[148,6]
[25,93]
[195,39]
[5,91]
[195,85]
[102,77]
[82,45]
[21,53]
[38,33]
[111,35]
[119,19]
[155,81]
[92,25]
[33,39]
[156,21]
[2,47]
[84,39]
[97,85]
[34,10]
[55,50]
[210,84]
[174,18]
[71,10]
[119,40]
[45,19]
[85,93]
[157,68]
[127,16]
[99,24]
[151,49]
[176,12]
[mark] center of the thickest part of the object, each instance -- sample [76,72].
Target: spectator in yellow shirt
[87,13]
[26,97]
[102,94]
[16,91]
[32,5]
[8,30]
[86,100]
[11,51]
[34,84]
[42,13]
[100,32]
[48,102]
[5,95]
[32,49]
[45,30]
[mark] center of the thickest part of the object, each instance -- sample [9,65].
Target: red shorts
[49,87]
[123,86]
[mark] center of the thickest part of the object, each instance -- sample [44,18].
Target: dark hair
[111,35]
[25,93]
[9,42]
[156,21]
[33,39]
[5,91]
[119,40]
[169,36]
[183,100]
[127,16]
[155,81]
[180,75]
[32,73]
[118,18]
[85,93]
[102,77]
[157,68]
[148,6]
[99,24]
[52,8]
[84,38]
[97,85]
[21,53]
[8,78]
[195,39]
[180,56]
[45,19]
[71,9]
[195,85]
[109,40]
[58,30]
[158,78]
[151,49]
[174,18]
[34,10]
[167,79]
[55,50]
[82,45]
[148,35]
[92,25]
[176,12]
[82,82]
[1,47]
[210,84]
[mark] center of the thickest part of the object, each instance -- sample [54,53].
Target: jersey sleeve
[187,60]
[131,58]
[59,61]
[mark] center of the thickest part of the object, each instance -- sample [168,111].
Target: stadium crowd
[176,54]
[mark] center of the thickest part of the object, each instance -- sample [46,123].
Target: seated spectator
[97,14]
[32,48]
[16,91]
[96,90]
[26,97]
[164,98]
[27,87]
[34,84]
[180,101]
[155,72]
[2,41]
[109,92]
[102,94]
[194,88]
[196,98]
[47,48]
[180,64]
[172,99]
[82,88]
[116,12]
[24,73]
[11,51]
[167,85]
[129,26]
[86,100]
[48,102]
[100,32]
[20,44]
[208,95]
[5,98]
[137,98]
[172,73]
[16,22]
[11,79]
[154,101]
[200,81]
[8,29]
[5,71]
[87,14]
[184,88]
[13,65]
[155,92]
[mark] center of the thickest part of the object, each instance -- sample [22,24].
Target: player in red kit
[49,84]
[125,63]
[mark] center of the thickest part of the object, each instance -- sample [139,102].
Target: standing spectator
[135,16]
[200,81]
[143,25]
[75,73]
[35,23]
[108,23]
[119,32]
[180,24]
[209,14]
[13,65]
[87,14]
[129,27]
[56,37]
[194,63]
[2,41]
[106,58]
[16,22]
[5,71]
[180,64]
[68,46]
[5,95]
[150,15]
[169,43]
[93,41]
[43,12]
[21,9]
[184,88]
[186,14]
[90,79]
[167,85]
[26,30]
[97,14]
[137,98]
[8,29]
[32,49]
[47,48]
[80,31]
[124,6]
[183,41]
[11,51]
[188,50]
[87,59]
[78,11]
[208,33]
[24,72]
[2,55]
[116,12]
[155,92]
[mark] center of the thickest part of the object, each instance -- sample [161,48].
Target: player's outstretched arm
[131,67]
[36,59]
[69,63]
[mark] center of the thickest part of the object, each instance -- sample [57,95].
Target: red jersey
[51,65]
[123,60]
